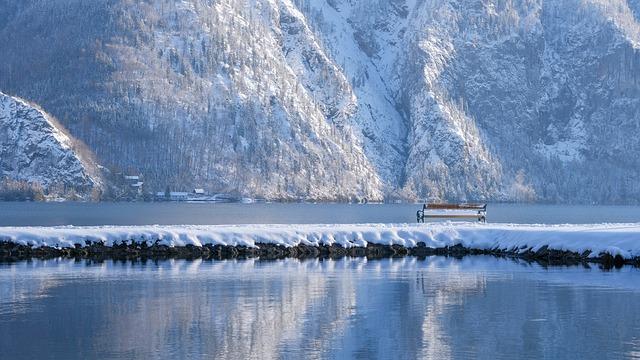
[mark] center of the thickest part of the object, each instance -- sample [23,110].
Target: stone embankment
[608,244]
[11,252]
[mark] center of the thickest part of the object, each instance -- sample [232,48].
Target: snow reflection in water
[391,308]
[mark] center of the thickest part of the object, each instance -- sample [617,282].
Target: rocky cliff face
[226,95]
[508,100]
[338,99]
[35,149]
[549,91]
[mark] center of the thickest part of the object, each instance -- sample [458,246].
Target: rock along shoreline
[607,244]
[12,252]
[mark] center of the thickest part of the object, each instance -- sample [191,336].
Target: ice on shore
[614,239]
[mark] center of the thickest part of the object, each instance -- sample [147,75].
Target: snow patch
[613,239]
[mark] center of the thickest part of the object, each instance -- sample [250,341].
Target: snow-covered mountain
[35,149]
[339,99]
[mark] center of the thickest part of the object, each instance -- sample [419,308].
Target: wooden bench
[453,211]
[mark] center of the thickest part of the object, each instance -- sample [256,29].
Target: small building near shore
[179,196]
[173,196]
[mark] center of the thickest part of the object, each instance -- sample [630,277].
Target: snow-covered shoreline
[621,240]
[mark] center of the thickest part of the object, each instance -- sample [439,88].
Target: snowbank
[614,239]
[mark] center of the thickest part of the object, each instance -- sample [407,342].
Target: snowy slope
[512,100]
[228,96]
[343,99]
[35,149]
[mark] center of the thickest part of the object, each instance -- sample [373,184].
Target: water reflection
[350,308]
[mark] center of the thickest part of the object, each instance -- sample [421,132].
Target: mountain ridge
[344,99]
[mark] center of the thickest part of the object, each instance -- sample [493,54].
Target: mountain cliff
[35,150]
[343,99]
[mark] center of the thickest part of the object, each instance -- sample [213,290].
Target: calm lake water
[477,307]
[438,308]
[46,214]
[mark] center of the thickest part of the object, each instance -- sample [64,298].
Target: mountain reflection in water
[350,308]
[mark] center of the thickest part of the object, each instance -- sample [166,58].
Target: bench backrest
[473,211]
[477,207]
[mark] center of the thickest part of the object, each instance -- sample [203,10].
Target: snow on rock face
[35,149]
[361,36]
[613,239]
